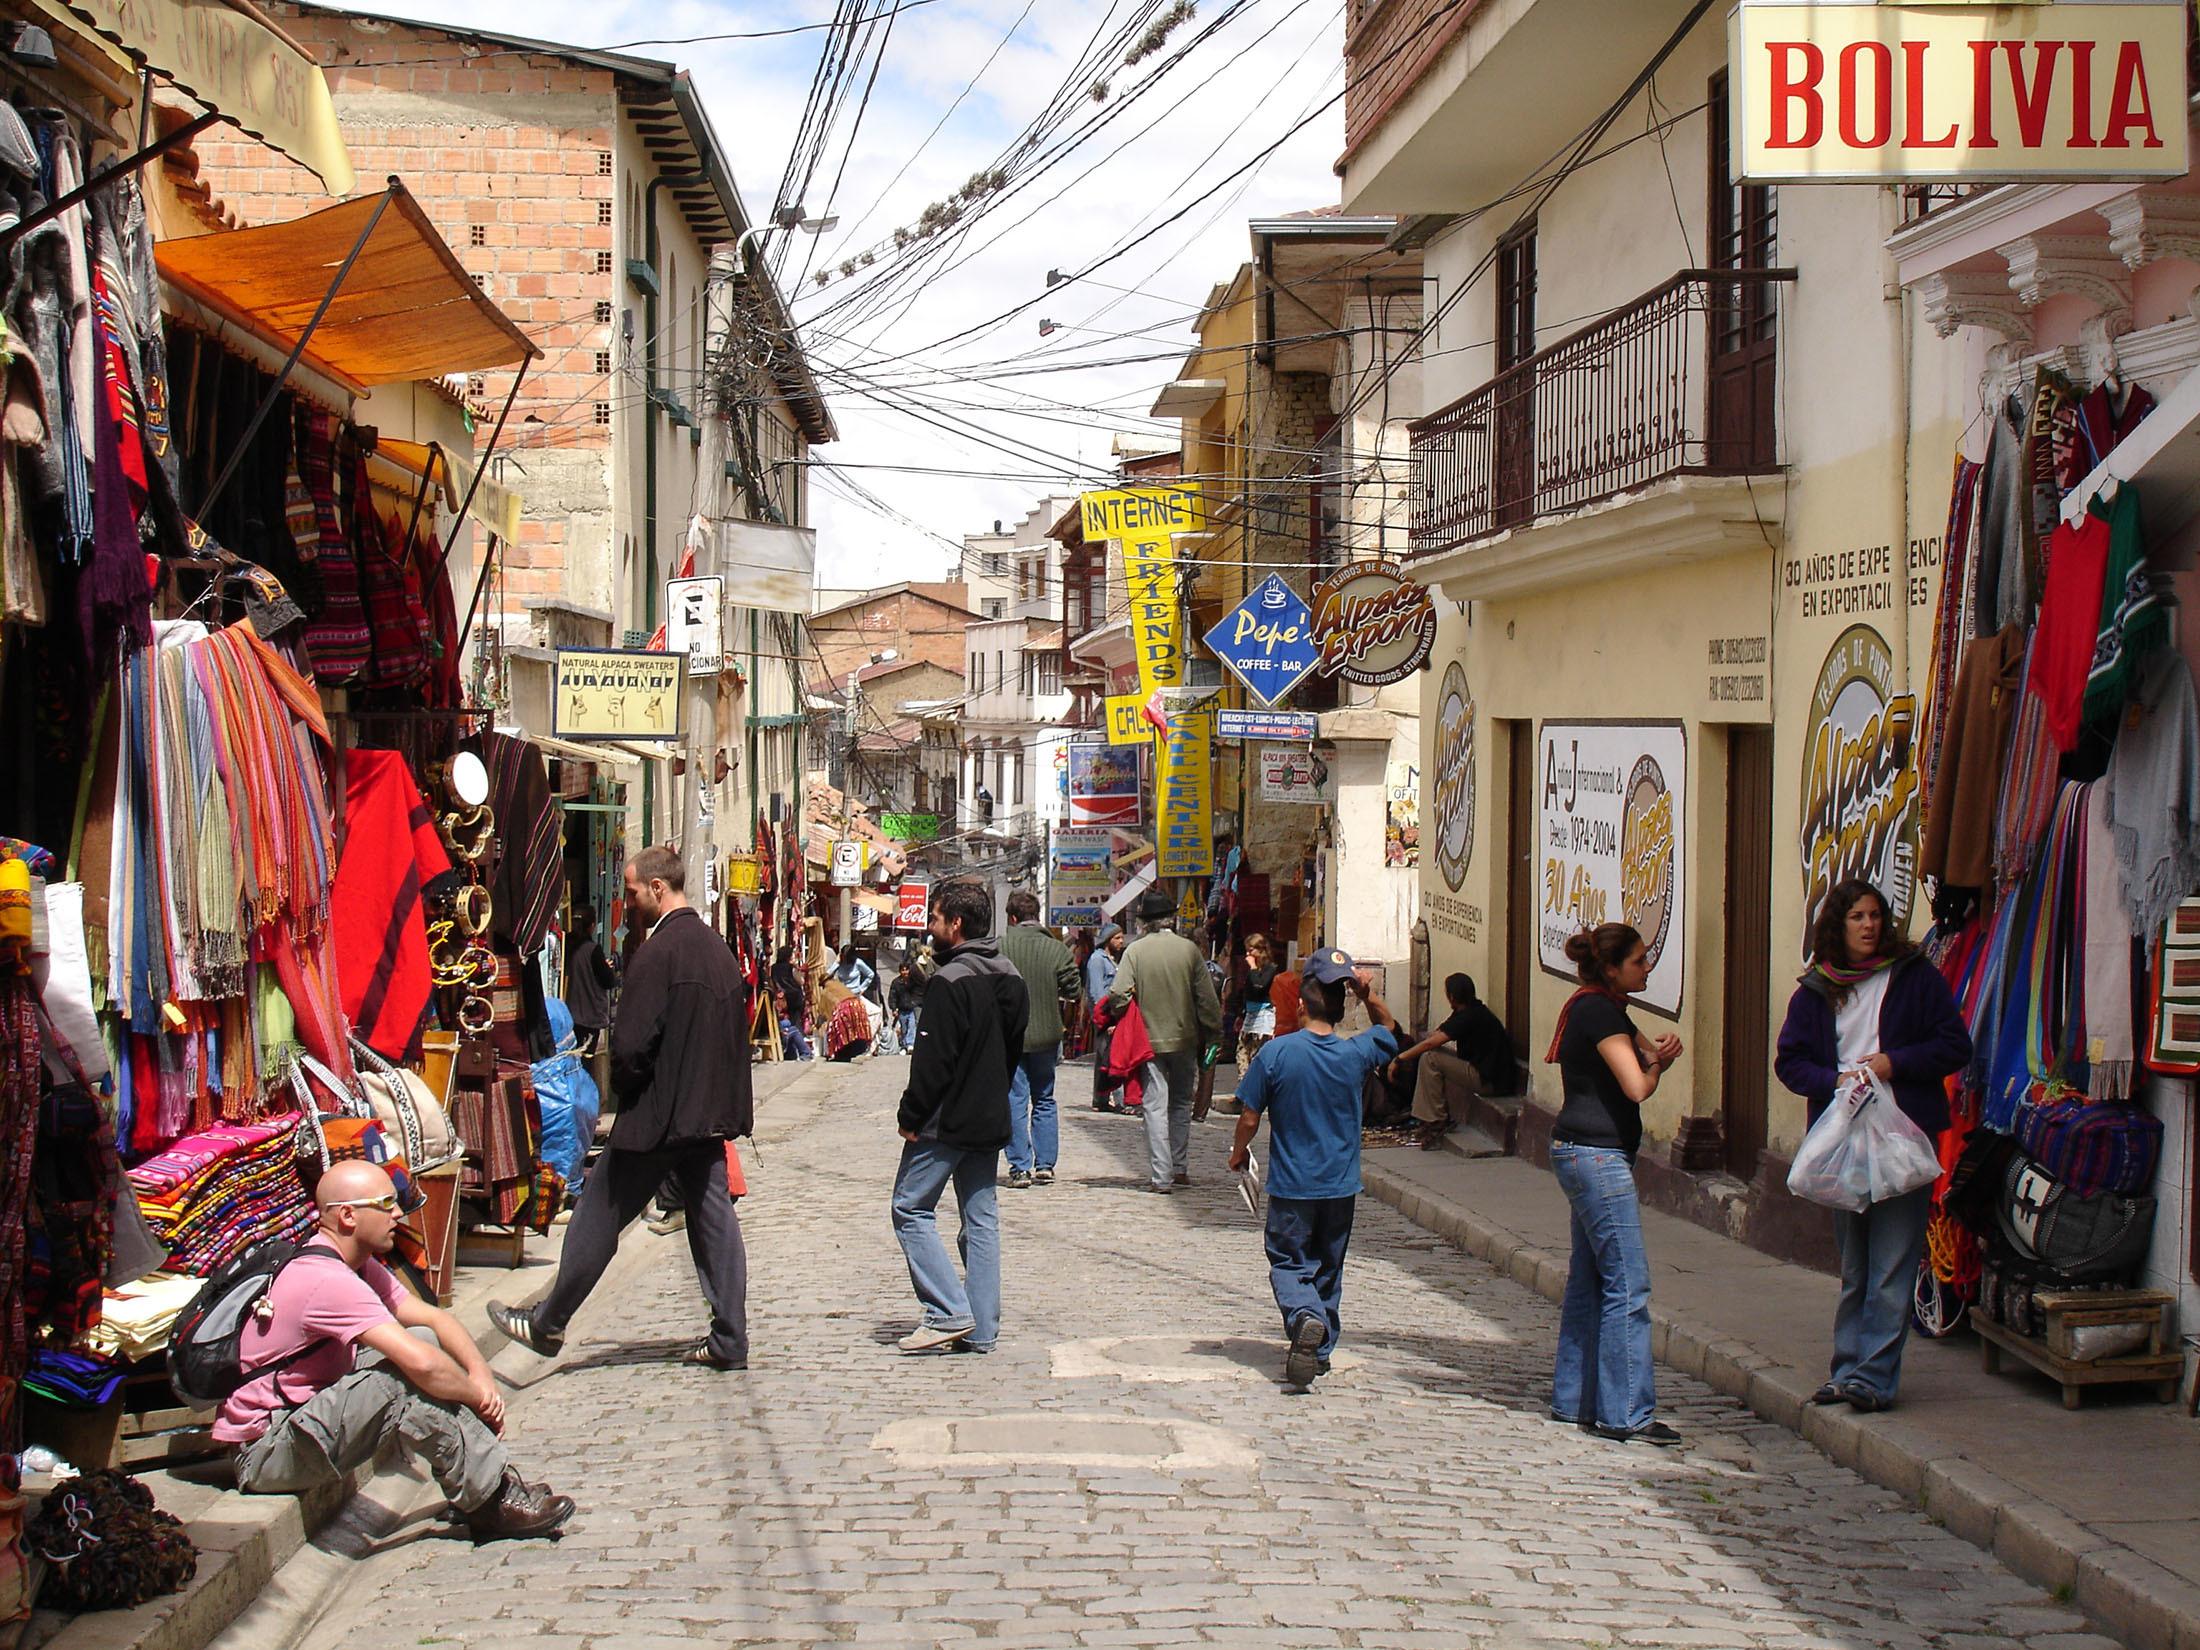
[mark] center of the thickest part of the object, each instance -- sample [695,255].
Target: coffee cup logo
[1453,800]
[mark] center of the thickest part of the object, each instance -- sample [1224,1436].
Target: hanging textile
[338,638]
[2153,785]
[2028,782]
[19,1064]
[2109,1041]
[1958,847]
[1951,621]
[378,934]
[529,851]
[2132,622]
[2070,616]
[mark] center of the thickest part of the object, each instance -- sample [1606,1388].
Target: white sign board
[1614,803]
[766,566]
[1294,773]
[847,864]
[695,623]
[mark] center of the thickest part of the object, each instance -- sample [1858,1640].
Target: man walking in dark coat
[954,1122]
[680,1067]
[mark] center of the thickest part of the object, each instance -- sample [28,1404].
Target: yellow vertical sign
[1146,520]
[1127,724]
[1185,840]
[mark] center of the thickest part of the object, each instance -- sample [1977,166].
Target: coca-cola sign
[1372,625]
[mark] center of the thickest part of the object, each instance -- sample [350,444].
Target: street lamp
[791,218]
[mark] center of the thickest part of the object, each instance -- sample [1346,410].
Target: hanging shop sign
[1127,724]
[847,863]
[911,827]
[1103,786]
[1146,521]
[768,566]
[1977,93]
[1266,724]
[1614,799]
[1140,515]
[1452,805]
[1185,846]
[1170,703]
[1860,799]
[1080,876]
[1296,773]
[695,623]
[1267,640]
[616,693]
[1372,625]
[913,907]
[744,874]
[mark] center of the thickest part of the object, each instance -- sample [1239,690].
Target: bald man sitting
[321,1408]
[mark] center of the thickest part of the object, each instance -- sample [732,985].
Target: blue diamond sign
[1267,640]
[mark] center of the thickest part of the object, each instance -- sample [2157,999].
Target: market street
[1419,1497]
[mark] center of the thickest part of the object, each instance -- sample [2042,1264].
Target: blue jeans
[949,1302]
[906,1030]
[1034,1127]
[1880,1251]
[1605,1373]
[1306,1244]
[792,1043]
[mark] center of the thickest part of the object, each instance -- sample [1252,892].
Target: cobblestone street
[1126,1470]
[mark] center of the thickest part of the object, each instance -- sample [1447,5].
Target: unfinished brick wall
[506,154]
[1389,45]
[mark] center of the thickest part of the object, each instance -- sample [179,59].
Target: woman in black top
[1259,1023]
[1606,1378]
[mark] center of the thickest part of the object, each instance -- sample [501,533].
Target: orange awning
[407,310]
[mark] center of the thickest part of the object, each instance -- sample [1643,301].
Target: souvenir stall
[231,918]
[2060,758]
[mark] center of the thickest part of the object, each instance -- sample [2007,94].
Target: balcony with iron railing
[1679,383]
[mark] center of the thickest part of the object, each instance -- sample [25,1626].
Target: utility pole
[854,716]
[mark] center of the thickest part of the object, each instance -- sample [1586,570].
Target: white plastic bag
[1862,1150]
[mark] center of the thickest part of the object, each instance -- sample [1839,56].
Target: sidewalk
[2099,1505]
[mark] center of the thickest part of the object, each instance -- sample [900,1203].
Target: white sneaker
[924,1338]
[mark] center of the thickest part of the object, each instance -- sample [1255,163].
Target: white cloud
[1237,94]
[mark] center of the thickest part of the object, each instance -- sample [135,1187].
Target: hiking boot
[1018,1179]
[518,1324]
[1303,1362]
[1042,1177]
[520,1512]
[672,1220]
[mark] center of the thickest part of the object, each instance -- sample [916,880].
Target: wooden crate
[2158,1365]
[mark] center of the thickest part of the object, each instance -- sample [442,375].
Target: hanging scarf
[2154,793]
[2109,1049]
[2028,784]
[2132,622]
[1951,621]
[1558,1032]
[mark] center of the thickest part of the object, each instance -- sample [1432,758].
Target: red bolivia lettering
[1982,95]
[1786,89]
[1882,78]
[2081,96]
[2130,107]
[1913,101]
[2033,96]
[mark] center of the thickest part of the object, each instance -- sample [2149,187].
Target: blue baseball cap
[1327,966]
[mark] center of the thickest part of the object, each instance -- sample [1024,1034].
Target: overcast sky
[986,68]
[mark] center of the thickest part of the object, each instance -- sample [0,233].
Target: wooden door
[1521,908]
[1743,324]
[1747,1008]
[1512,475]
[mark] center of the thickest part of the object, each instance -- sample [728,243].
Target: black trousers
[618,1190]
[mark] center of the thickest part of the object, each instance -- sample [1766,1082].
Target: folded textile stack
[76,1380]
[136,1318]
[213,1195]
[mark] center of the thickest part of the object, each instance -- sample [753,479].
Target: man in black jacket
[954,1122]
[680,1067]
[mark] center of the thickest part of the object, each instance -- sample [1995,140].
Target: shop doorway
[1520,900]
[1747,1009]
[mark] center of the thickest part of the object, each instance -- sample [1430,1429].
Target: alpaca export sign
[2066,91]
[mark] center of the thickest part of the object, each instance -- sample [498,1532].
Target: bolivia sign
[1266,640]
[610,693]
[1372,625]
[2074,90]
[1614,799]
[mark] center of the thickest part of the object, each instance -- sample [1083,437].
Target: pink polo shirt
[315,1298]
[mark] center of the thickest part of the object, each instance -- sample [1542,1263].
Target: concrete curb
[242,1540]
[2131,1598]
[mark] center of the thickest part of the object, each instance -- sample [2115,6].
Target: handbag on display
[2099,1239]
[351,1131]
[407,1109]
[2091,1146]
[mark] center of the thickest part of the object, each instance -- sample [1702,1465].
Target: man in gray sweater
[1050,981]
[1165,974]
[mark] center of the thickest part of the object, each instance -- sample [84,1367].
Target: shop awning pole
[107,174]
[298,349]
[488,563]
[481,468]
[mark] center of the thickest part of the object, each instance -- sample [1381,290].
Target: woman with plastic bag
[1873,1020]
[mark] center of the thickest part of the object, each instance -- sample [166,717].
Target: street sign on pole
[695,612]
[847,863]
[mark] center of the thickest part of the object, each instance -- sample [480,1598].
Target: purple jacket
[1921,1032]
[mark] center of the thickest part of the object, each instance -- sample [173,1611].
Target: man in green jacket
[1050,978]
[1164,972]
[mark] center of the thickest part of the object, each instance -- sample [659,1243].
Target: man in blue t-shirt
[1309,1083]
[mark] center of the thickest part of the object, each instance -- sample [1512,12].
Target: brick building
[913,621]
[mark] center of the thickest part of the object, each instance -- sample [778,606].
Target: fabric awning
[495,506]
[883,904]
[228,55]
[407,310]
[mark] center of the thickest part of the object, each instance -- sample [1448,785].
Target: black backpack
[205,1363]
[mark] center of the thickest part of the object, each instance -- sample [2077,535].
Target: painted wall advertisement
[1402,816]
[1186,843]
[1451,803]
[1103,786]
[1296,773]
[1614,798]
[1860,802]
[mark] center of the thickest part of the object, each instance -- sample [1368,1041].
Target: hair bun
[1580,946]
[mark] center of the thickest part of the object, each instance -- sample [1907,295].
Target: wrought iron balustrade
[1680,382]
